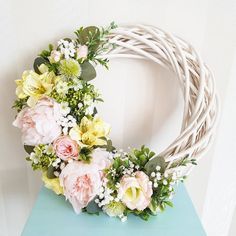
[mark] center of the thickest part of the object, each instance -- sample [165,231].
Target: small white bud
[165,182]
[158,168]
[153,174]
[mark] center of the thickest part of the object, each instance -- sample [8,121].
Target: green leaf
[88,33]
[169,203]
[37,62]
[110,147]
[153,207]
[28,148]
[116,163]
[88,71]
[50,172]
[143,159]
[50,47]
[144,215]
[154,162]
[92,208]
[99,100]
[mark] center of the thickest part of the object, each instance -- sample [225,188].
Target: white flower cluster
[105,198]
[157,176]
[34,158]
[67,48]
[65,120]
[132,167]
[89,104]
[58,163]
[77,84]
[62,87]
[166,179]
[105,194]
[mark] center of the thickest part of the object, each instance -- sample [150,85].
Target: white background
[142,101]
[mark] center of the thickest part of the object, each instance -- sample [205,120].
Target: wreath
[69,143]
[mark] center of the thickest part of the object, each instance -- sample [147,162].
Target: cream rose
[82,52]
[135,191]
[81,183]
[38,124]
[101,158]
[66,148]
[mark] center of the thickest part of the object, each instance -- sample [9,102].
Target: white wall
[142,101]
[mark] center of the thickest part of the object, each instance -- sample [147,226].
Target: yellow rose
[35,85]
[52,184]
[90,132]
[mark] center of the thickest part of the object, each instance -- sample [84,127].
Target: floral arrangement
[69,143]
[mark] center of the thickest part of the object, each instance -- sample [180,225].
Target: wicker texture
[195,79]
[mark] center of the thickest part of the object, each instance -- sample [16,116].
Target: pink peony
[66,148]
[81,183]
[38,124]
[135,191]
[100,158]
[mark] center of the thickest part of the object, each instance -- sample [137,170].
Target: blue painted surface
[52,215]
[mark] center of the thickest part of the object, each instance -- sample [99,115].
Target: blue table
[51,216]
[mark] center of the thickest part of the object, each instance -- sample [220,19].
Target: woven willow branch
[196,81]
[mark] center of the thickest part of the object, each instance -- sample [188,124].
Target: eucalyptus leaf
[87,33]
[28,148]
[37,62]
[92,208]
[50,172]
[154,162]
[88,71]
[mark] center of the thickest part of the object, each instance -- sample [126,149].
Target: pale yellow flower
[114,209]
[52,184]
[90,132]
[35,85]
[43,68]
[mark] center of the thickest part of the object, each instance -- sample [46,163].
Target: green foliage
[78,97]
[28,148]
[184,162]
[108,146]
[88,71]
[142,156]
[50,172]
[89,36]
[96,40]
[37,62]
[46,53]
[92,208]
[20,103]
[154,162]
[85,155]
[144,215]
[40,159]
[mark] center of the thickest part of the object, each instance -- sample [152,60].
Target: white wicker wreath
[67,140]
[195,79]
